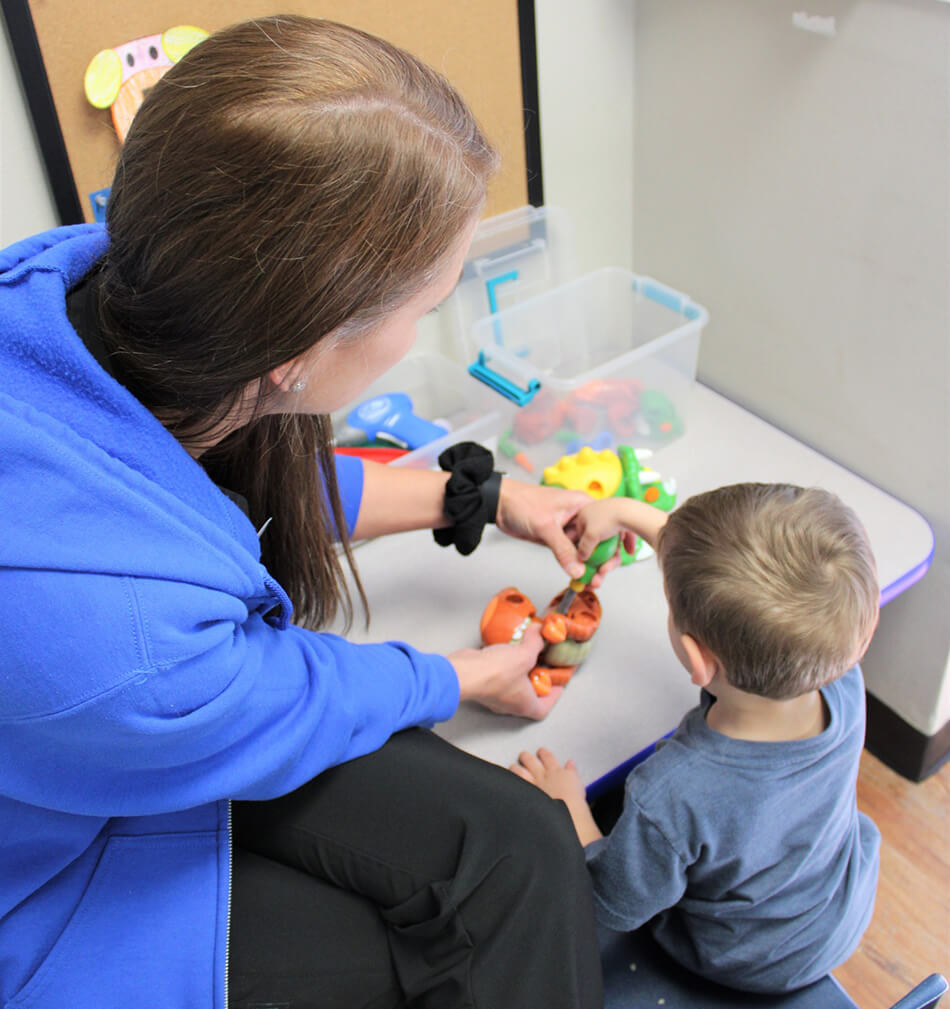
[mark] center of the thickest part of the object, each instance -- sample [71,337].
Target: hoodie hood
[94,482]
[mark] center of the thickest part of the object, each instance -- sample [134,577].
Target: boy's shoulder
[698,768]
[678,769]
[850,686]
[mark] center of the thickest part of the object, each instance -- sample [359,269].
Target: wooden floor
[909,936]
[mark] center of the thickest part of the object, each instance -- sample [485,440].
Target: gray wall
[798,185]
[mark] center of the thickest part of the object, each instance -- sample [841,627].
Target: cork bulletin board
[487,50]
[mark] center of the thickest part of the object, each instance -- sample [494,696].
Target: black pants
[415,876]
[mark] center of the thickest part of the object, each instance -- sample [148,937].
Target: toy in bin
[596,414]
[572,616]
[390,418]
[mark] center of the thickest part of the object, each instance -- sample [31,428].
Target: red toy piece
[540,418]
[580,417]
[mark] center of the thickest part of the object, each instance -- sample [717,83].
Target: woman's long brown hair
[290,180]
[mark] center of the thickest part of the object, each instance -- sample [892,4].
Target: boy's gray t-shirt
[750,857]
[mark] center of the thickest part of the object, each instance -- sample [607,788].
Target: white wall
[798,185]
[26,205]
[585,72]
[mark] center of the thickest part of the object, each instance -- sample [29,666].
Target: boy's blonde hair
[778,581]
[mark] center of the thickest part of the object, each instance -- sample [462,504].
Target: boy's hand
[599,520]
[546,771]
[595,522]
[559,782]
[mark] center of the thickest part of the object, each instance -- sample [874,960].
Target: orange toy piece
[506,617]
[568,635]
[510,612]
[604,391]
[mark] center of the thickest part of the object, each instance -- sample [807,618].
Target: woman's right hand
[496,676]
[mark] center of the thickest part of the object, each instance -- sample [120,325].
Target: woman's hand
[496,676]
[539,514]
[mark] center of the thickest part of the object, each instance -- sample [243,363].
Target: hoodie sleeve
[172,712]
[349,475]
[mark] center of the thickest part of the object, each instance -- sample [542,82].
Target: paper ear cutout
[120,77]
[181,40]
[103,78]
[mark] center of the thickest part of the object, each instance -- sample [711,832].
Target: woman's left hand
[496,677]
[539,514]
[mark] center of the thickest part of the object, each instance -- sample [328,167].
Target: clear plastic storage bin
[559,361]
[513,257]
[608,358]
[441,393]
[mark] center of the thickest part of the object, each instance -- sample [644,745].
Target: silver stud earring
[299,385]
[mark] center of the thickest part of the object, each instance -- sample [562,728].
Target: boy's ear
[702,664]
[865,644]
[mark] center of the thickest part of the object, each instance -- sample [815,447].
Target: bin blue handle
[490,285]
[510,390]
[667,297]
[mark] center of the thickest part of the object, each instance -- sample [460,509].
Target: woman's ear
[285,375]
[701,662]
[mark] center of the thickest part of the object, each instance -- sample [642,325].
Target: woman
[292,197]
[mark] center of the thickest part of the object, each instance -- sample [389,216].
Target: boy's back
[751,855]
[741,838]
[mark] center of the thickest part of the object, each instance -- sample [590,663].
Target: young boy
[740,840]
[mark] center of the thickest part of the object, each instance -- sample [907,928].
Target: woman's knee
[535,832]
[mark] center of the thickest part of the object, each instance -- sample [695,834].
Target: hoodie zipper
[227,927]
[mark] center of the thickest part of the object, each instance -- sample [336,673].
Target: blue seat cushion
[638,974]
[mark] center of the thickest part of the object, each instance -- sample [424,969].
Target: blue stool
[639,975]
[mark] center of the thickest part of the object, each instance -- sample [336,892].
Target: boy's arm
[636,870]
[560,782]
[602,519]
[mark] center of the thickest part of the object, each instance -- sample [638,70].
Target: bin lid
[513,256]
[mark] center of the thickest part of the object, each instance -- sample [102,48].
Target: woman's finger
[565,553]
[541,706]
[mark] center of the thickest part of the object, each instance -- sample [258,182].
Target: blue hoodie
[145,679]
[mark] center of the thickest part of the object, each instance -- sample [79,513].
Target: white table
[631,690]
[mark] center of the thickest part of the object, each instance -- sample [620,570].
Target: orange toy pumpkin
[510,612]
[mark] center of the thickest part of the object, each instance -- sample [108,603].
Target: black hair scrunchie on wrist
[471,495]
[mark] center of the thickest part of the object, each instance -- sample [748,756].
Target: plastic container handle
[522,395]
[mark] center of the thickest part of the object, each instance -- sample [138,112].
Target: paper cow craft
[120,77]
